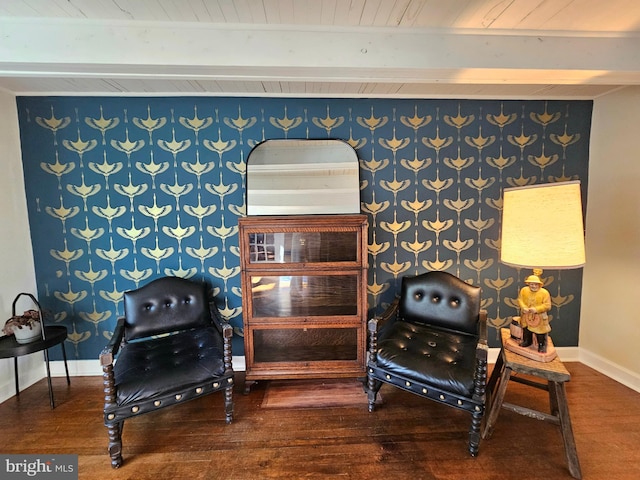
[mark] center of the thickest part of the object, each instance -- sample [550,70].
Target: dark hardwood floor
[405,438]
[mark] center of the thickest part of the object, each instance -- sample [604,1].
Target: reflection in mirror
[300,177]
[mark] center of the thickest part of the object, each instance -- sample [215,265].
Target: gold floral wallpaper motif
[123,190]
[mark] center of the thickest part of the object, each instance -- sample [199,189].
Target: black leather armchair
[432,341]
[171,346]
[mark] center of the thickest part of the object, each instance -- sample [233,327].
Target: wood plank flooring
[405,438]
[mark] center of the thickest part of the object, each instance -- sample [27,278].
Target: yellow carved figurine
[534,302]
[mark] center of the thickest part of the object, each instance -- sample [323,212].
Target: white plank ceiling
[340,48]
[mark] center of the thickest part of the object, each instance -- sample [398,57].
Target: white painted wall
[17,273]
[610,323]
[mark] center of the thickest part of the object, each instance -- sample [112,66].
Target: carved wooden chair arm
[482,352]
[227,335]
[109,352]
[390,313]
[482,349]
[379,321]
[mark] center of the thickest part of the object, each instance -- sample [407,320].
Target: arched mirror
[301,177]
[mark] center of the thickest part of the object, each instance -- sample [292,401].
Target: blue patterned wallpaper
[123,190]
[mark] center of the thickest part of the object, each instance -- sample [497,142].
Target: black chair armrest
[109,352]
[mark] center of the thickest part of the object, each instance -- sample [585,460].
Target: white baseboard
[82,368]
[79,368]
[27,378]
[30,370]
[612,370]
[33,371]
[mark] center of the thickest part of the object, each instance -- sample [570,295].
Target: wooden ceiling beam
[182,50]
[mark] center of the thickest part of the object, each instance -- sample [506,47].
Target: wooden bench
[554,373]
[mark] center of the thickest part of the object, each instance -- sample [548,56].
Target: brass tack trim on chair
[435,322]
[171,305]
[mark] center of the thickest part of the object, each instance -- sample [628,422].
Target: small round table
[54,335]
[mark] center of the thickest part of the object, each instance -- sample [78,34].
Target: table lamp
[542,228]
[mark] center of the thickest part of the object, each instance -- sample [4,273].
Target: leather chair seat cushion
[429,356]
[161,366]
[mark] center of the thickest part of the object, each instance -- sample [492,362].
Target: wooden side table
[554,373]
[54,335]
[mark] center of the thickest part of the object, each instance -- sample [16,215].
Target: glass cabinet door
[305,344]
[304,295]
[303,247]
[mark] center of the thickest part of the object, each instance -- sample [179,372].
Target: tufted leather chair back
[165,305]
[441,300]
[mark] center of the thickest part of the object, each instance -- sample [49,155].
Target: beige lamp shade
[542,226]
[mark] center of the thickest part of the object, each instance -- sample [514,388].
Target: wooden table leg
[491,384]
[553,400]
[567,431]
[495,373]
[496,402]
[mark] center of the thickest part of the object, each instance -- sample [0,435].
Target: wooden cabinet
[304,295]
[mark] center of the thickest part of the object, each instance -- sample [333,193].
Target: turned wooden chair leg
[474,432]
[228,404]
[372,391]
[115,443]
